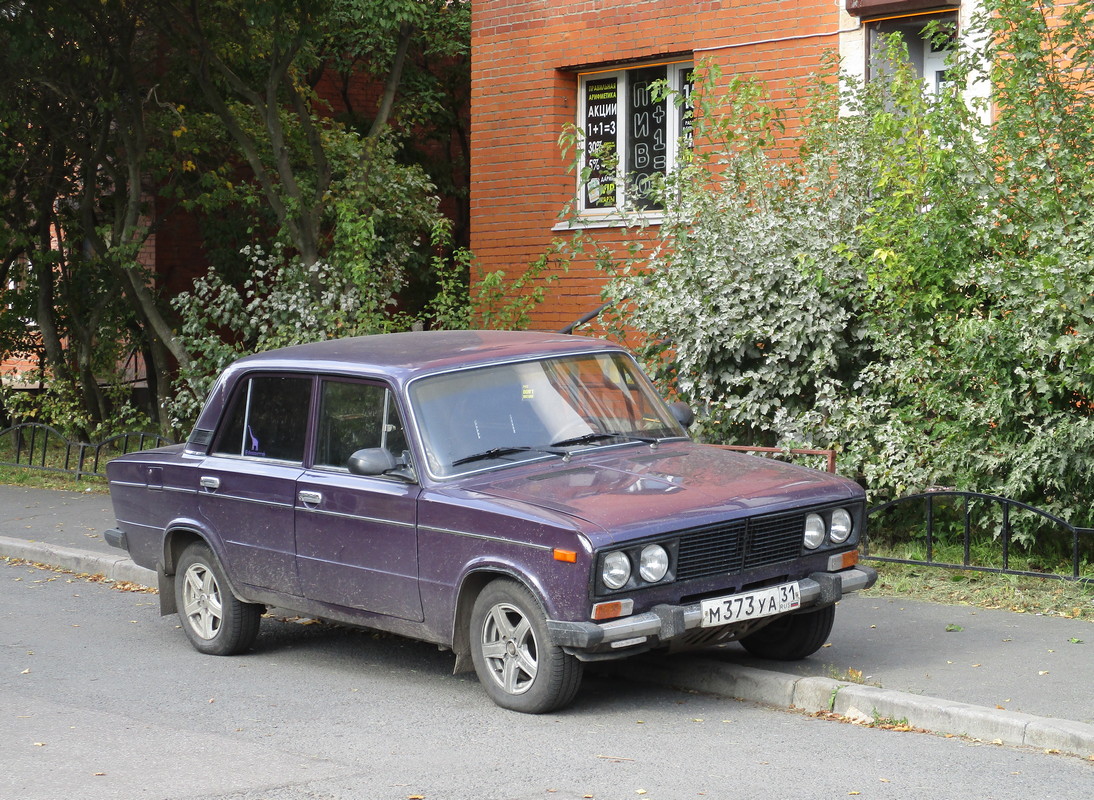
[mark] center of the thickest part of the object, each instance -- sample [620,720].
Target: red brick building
[539,65]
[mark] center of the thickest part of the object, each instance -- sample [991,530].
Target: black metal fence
[36,446]
[958,521]
[951,521]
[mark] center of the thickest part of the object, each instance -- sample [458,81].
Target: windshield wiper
[589,438]
[499,452]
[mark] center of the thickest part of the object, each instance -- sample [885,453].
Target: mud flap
[166,585]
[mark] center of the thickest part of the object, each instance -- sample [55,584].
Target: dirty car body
[523,499]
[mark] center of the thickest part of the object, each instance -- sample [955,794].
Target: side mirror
[683,413]
[371,461]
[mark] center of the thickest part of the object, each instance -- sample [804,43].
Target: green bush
[915,289]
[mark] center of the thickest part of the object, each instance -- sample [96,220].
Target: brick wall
[526,56]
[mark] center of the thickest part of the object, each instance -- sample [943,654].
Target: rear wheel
[792,637]
[215,621]
[517,664]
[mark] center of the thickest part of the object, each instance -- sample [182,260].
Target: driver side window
[355,416]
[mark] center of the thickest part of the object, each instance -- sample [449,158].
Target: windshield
[490,416]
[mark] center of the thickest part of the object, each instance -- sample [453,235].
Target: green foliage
[916,288]
[213,107]
[507,304]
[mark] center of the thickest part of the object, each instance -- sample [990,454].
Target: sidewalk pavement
[992,675]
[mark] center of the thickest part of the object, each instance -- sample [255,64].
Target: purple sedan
[524,499]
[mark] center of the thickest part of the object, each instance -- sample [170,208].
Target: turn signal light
[613,609]
[569,556]
[843,561]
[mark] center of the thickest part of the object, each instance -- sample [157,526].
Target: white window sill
[611,219]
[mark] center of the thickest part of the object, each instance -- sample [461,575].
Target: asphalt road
[101,697]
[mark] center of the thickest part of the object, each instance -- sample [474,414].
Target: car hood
[633,491]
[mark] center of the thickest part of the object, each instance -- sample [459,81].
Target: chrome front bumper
[666,622]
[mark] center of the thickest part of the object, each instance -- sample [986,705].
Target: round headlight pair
[653,565]
[838,532]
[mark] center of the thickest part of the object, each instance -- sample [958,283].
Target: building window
[629,133]
[926,52]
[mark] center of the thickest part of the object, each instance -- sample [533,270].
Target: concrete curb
[810,694]
[865,703]
[116,568]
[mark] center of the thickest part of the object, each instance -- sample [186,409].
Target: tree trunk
[387,102]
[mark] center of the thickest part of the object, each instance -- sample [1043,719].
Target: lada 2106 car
[524,499]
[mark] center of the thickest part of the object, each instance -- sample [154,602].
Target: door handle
[309,498]
[209,482]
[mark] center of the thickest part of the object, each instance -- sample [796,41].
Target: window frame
[242,393]
[885,26]
[676,128]
[391,408]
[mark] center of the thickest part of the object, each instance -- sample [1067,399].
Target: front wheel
[792,637]
[215,621]
[517,664]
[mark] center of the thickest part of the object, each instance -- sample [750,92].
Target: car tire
[792,637]
[515,659]
[215,621]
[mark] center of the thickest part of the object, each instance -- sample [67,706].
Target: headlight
[616,570]
[814,531]
[841,525]
[654,563]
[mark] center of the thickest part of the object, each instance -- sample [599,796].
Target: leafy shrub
[915,288]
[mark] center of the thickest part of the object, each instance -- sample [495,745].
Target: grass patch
[40,479]
[1020,594]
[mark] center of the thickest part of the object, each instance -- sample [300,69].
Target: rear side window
[269,419]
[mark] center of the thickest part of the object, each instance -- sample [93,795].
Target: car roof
[403,356]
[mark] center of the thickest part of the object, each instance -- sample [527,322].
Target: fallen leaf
[97,774]
[39,744]
[1043,672]
[640,791]
[25,672]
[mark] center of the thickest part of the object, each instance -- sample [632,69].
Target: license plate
[751,605]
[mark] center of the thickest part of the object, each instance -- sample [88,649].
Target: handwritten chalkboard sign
[647,145]
[601,131]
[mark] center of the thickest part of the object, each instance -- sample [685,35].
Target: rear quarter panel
[150,490]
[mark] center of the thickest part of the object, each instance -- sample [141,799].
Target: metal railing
[1081,539]
[33,445]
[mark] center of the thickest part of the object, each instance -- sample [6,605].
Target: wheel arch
[175,541]
[471,585]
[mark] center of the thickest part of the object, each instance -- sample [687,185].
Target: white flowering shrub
[914,289]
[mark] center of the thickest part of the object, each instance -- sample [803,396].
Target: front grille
[742,544]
